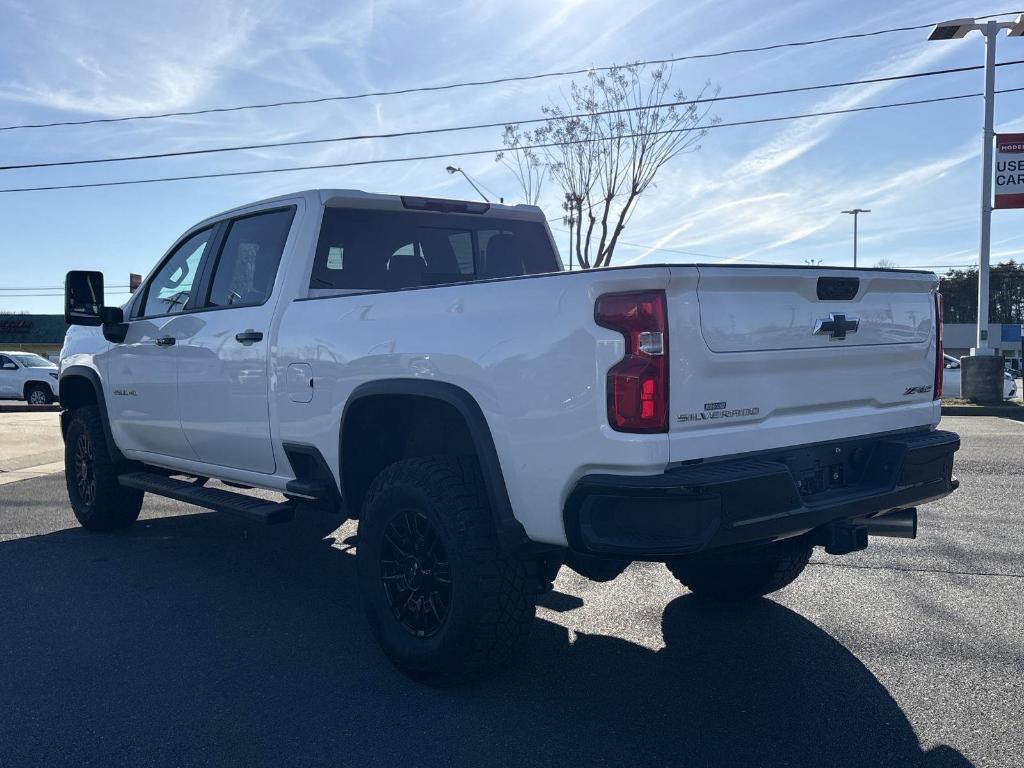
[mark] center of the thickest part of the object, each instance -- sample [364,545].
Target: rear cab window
[378,250]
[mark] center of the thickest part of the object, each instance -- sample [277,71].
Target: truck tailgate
[764,358]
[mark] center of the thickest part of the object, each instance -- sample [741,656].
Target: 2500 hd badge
[717,411]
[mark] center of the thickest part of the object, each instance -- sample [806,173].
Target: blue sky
[767,193]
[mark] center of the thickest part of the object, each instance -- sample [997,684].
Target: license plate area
[828,468]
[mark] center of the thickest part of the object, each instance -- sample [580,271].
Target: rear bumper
[756,498]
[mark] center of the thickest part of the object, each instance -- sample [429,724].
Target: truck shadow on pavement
[193,640]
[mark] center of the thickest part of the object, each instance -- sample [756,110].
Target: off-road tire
[492,593]
[743,574]
[38,394]
[99,502]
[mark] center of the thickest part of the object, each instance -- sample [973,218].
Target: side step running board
[250,507]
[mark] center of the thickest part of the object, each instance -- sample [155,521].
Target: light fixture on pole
[955,30]
[856,212]
[453,170]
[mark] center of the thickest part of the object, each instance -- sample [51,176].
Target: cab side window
[6,364]
[170,290]
[248,262]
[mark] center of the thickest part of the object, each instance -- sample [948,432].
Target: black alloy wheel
[416,574]
[443,598]
[85,469]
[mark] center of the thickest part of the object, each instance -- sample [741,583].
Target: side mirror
[83,298]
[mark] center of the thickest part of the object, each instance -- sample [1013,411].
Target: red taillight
[940,363]
[637,384]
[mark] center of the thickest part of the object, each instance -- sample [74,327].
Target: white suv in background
[27,376]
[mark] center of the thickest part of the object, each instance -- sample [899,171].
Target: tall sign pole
[990,31]
[981,374]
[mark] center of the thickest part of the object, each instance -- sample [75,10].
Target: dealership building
[42,334]
[958,338]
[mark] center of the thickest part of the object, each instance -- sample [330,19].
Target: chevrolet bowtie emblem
[836,326]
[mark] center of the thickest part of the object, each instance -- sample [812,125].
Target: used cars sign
[1010,170]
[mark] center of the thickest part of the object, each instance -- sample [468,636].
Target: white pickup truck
[427,367]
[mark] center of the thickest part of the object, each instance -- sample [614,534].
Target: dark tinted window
[170,289]
[249,259]
[403,249]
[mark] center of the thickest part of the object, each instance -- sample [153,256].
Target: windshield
[30,360]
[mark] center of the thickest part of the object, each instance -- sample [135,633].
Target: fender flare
[90,375]
[511,534]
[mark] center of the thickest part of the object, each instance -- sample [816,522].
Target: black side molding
[313,477]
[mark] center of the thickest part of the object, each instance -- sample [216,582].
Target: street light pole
[452,169]
[856,212]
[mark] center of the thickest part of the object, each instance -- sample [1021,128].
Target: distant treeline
[959,288]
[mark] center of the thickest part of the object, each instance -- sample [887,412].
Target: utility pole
[856,212]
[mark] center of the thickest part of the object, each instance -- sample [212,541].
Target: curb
[26,408]
[1015,412]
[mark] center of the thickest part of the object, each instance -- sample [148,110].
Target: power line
[470,153]
[479,83]
[499,124]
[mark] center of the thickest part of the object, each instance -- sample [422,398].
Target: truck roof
[359,198]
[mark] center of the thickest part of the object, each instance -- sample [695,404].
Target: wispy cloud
[803,135]
[125,65]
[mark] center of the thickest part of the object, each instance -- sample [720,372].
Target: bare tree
[525,163]
[886,264]
[603,146]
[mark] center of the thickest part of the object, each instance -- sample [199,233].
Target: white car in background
[951,380]
[27,376]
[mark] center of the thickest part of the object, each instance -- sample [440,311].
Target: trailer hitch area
[841,538]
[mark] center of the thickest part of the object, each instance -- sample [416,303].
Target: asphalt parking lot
[196,639]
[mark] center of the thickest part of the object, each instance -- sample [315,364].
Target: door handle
[249,337]
[165,341]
